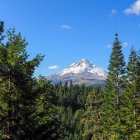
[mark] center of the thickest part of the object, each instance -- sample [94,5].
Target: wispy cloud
[53,67]
[65,26]
[109,46]
[134,9]
[125,44]
[113,12]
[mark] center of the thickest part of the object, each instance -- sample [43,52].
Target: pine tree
[16,87]
[112,90]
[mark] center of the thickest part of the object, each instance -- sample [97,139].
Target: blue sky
[66,31]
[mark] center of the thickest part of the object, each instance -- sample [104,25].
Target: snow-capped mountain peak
[83,66]
[81,72]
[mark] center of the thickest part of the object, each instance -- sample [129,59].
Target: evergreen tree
[92,117]
[136,133]
[46,114]
[16,87]
[71,100]
[128,105]
[78,126]
[112,90]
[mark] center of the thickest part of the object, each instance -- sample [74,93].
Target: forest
[31,108]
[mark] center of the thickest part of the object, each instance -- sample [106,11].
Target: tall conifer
[128,108]
[136,134]
[113,86]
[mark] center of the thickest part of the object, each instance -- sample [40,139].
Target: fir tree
[128,111]
[112,90]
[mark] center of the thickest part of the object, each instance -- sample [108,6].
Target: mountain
[81,72]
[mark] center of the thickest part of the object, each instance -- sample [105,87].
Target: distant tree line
[34,109]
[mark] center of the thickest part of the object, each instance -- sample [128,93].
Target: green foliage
[24,101]
[71,99]
[33,108]
[92,117]
[136,134]
[1,31]
[113,90]
[120,104]
[128,99]
[46,113]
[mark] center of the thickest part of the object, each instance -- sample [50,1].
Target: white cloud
[53,67]
[134,9]
[125,44]
[113,12]
[65,26]
[109,46]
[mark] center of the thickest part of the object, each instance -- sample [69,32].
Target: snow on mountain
[81,72]
[84,66]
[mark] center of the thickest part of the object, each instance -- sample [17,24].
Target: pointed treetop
[116,37]
[116,34]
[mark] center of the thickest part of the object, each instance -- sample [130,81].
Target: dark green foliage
[1,31]
[92,117]
[27,110]
[120,104]
[72,95]
[16,94]
[128,108]
[130,100]
[28,106]
[71,99]
[34,109]
[113,90]
[136,134]
[46,113]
